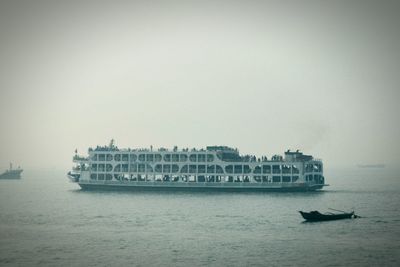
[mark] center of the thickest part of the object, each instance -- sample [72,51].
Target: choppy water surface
[46,221]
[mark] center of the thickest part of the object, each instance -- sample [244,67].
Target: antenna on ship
[10,166]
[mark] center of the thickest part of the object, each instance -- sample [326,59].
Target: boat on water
[317,216]
[215,168]
[371,166]
[11,173]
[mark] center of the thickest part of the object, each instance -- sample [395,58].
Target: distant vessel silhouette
[11,173]
[371,166]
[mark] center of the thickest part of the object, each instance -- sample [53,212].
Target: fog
[262,76]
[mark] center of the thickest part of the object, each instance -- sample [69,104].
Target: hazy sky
[262,76]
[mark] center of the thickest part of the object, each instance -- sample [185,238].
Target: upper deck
[210,154]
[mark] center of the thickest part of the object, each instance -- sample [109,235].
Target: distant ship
[11,173]
[373,166]
[217,168]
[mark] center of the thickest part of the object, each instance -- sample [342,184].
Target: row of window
[316,178]
[200,178]
[313,167]
[101,176]
[174,168]
[154,157]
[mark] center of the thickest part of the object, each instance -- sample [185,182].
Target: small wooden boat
[315,216]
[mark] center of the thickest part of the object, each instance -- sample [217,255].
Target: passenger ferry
[218,168]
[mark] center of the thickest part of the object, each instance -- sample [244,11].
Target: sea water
[47,221]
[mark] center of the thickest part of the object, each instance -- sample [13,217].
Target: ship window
[210,168]
[184,169]
[94,158]
[210,178]
[175,157]
[276,169]
[175,168]
[117,168]
[94,167]
[117,157]
[317,168]
[157,157]
[142,157]
[166,168]
[202,168]
[295,170]
[229,169]
[218,169]
[286,179]
[246,169]
[182,157]
[101,167]
[201,157]
[149,168]
[210,158]
[238,169]
[141,167]
[102,157]
[108,176]
[150,157]
[257,169]
[192,157]
[266,169]
[134,167]
[109,167]
[133,157]
[276,179]
[167,157]
[109,157]
[286,169]
[192,168]
[158,168]
[309,168]
[100,176]
[295,178]
[125,167]
[93,176]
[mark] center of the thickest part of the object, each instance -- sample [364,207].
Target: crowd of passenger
[252,158]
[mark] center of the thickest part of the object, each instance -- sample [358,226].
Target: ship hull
[198,187]
[11,175]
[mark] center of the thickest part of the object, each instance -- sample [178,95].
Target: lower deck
[198,186]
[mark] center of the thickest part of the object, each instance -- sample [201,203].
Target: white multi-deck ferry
[218,168]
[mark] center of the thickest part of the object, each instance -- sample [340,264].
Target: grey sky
[262,76]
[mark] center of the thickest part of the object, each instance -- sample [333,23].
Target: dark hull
[130,187]
[316,216]
[11,175]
